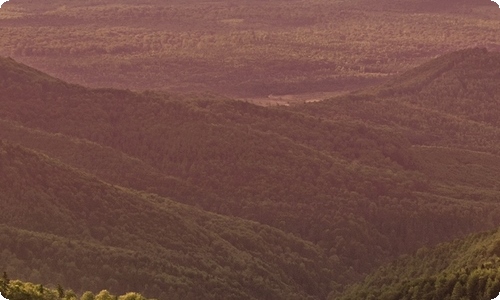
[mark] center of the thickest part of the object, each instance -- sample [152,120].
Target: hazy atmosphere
[319,150]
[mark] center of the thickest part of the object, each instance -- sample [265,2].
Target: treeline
[467,268]
[19,290]
[478,284]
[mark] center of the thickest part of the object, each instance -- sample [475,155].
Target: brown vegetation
[250,48]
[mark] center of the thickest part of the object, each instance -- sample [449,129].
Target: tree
[4,282]
[70,295]
[104,295]
[60,291]
[458,291]
[88,296]
[472,285]
[5,278]
[132,296]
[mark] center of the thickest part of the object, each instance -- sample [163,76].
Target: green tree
[104,295]
[4,282]
[132,296]
[60,291]
[458,291]
[70,295]
[88,296]
[472,285]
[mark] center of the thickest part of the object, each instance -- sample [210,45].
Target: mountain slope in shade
[447,108]
[219,147]
[106,163]
[354,175]
[449,101]
[68,227]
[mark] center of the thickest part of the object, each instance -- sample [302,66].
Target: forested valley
[245,49]
[388,191]
[105,163]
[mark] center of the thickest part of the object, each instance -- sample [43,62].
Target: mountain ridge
[348,182]
[159,229]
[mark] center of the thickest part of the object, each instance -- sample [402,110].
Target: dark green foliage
[4,281]
[60,291]
[450,102]
[119,239]
[248,159]
[18,290]
[314,196]
[464,269]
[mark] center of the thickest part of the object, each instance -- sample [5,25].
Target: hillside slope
[353,177]
[467,268]
[447,109]
[360,178]
[449,101]
[68,227]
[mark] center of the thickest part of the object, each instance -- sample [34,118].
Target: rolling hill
[447,110]
[448,102]
[62,225]
[343,185]
[465,268]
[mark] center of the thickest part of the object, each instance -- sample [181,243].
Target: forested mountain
[62,225]
[447,108]
[337,187]
[467,268]
[450,101]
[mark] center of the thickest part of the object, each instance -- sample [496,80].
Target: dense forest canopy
[114,181]
[19,290]
[244,48]
[306,199]
[467,268]
[68,227]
